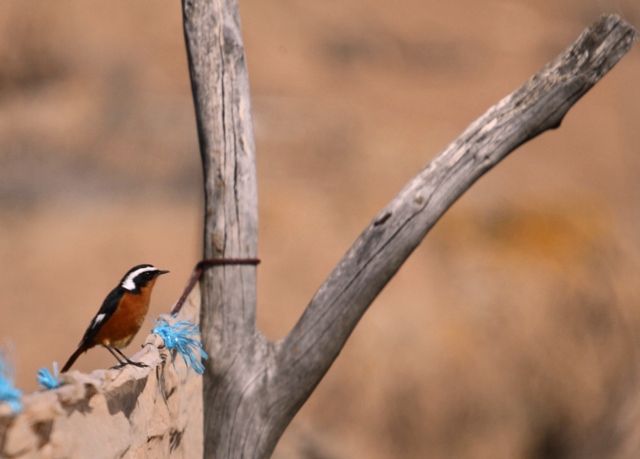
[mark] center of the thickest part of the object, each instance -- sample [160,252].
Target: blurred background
[512,332]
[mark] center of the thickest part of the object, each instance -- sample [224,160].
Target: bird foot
[129,362]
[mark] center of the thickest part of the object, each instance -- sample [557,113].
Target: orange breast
[123,325]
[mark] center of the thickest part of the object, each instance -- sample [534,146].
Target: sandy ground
[510,333]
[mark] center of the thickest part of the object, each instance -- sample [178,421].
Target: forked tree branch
[538,105]
[253,388]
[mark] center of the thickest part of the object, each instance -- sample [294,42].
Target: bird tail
[81,349]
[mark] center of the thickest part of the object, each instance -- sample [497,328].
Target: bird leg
[126,361]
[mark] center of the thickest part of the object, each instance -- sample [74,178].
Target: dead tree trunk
[252,387]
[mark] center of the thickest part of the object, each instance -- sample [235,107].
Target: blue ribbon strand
[49,381]
[182,336]
[9,394]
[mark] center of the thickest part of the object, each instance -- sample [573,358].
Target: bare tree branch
[310,348]
[253,388]
[223,113]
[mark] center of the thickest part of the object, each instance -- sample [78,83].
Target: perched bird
[121,315]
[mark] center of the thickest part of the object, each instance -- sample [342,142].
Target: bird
[120,316]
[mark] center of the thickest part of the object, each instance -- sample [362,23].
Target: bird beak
[162,272]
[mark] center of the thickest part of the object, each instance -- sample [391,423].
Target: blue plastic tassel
[8,393]
[47,380]
[182,337]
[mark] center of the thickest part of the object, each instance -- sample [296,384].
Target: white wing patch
[97,320]
[128,281]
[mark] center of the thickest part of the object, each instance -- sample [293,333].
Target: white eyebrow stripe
[97,320]
[128,283]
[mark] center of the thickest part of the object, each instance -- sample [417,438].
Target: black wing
[107,309]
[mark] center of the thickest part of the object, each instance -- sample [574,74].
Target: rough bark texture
[538,105]
[152,412]
[253,388]
[225,131]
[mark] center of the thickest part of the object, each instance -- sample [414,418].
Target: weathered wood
[307,352]
[253,388]
[223,113]
[538,105]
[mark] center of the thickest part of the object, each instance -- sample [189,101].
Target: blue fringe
[8,393]
[182,337]
[47,380]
